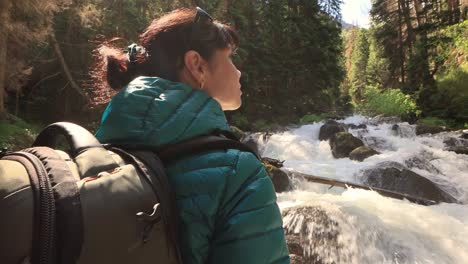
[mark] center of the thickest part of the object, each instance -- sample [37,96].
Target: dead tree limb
[343,184]
[64,66]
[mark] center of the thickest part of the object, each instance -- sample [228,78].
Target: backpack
[93,203]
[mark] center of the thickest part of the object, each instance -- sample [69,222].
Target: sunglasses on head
[201,19]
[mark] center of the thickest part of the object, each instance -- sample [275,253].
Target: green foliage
[449,99]
[437,121]
[290,56]
[311,118]
[359,59]
[16,134]
[390,102]
[239,120]
[261,125]
[433,121]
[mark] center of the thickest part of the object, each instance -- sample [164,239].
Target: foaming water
[373,228]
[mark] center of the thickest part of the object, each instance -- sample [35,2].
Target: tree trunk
[400,39]
[418,12]
[409,26]
[4,21]
[65,69]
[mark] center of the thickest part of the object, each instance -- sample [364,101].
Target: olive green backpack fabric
[93,203]
[90,205]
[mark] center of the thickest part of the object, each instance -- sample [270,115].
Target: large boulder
[422,161]
[312,236]
[329,129]
[459,150]
[279,178]
[428,129]
[396,177]
[378,143]
[237,132]
[457,145]
[361,153]
[343,143]
[464,134]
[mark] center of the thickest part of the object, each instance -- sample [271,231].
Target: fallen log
[343,184]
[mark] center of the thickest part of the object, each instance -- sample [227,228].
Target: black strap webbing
[169,207]
[157,178]
[199,145]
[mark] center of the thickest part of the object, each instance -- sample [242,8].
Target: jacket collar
[156,112]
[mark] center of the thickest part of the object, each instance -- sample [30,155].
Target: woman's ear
[195,67]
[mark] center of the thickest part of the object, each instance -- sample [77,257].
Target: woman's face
[222,80]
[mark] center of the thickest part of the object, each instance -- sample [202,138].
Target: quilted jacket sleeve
[249,227]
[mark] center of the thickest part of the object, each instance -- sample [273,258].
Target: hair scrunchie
[132,52]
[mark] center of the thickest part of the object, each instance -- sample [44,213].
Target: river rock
[361,153]
[396,177]
[343,143]
[312,236]
[360,126]
[330,128]
[422,161]
[464,134]
[428,129]
[395,130]
[455,142]
[275,162]
[238,132]
[279,178]
[377,143]
[459,150]
[380,119]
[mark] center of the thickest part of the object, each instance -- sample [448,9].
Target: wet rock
[455,142]
[422,161]
[329,129]
[377,143]
[360,126]
[237,132]
[428,129]
[343,143]
[457,145]
[312,236]
[362,153]
[464,134]
[252,143]
[396,177]
[279,178]
[459,150]
[274,162]
[395,130]
[380,119]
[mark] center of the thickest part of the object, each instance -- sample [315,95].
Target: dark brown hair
[166,40]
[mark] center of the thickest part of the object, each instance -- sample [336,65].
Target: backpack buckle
[150,220]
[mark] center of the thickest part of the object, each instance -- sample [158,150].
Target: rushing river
[372,228]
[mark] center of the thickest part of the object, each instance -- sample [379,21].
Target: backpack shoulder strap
[152,168]
[202,144]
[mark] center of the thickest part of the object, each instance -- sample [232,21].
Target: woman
[176,86]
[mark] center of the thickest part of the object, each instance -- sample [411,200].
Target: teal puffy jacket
[226,201]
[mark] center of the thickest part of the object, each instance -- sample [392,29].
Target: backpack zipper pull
[150,220]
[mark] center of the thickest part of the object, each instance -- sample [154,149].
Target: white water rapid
[372,228]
